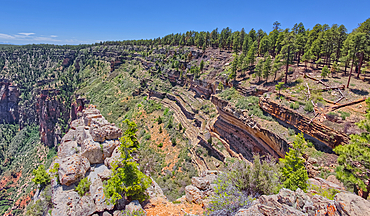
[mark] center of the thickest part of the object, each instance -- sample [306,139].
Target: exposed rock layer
[319,131]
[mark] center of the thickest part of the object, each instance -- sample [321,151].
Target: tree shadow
[359,92]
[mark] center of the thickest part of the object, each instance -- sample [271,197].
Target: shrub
[159,120]
[308,106]
[237,188]
[160,145]
[294,105]
[344,115]
[83,186]
[173,140]
[291,132]
[41,177]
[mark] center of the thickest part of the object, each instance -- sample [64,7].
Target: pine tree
[259,70]
[267,68]
[354,158]
[324,72]
[201,65]
[293,170]
[287,52]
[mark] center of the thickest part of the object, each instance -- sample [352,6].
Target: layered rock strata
[315,129]
[243,134]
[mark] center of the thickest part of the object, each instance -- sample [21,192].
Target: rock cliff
[9,95]
[315,129]
[243,134]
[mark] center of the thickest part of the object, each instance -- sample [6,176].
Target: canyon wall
[315,129]
[9,95]
[243,134]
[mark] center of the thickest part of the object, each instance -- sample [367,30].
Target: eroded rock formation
[9,95]
[243,134]
[315,129]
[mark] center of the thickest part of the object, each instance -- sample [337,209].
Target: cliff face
[319,131]
[243,134]
[9,95]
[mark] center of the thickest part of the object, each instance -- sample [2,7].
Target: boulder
[286,196]
[154,190]
[72,169]
[115,157]
[77,123]
[98,133]
[112,132]
[251,211]
[67,149]
[117,213]
[351,204]
[324,184]
[193,194]
[92,151]
[134,206]
[201,183]
[78,135]
[106,214]
[105,175]
[97,193]
[109,146]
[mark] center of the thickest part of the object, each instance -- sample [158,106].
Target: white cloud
[53,36]
[26,34]
[6,36]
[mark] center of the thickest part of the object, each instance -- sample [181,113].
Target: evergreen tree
[201,65]
[287,52]
[267,68]
[293,170]
[354,158]
[126,179]
[324,72]
[259,67]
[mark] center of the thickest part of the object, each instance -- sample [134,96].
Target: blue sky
[82,21]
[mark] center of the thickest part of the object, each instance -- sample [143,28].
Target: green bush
[294,105]
[344,115]
[83,186]
[236,188]
[308,106]
[160,145]
[41,177]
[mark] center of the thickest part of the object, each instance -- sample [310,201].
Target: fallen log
[348,104]
[309,93]
[337,101]
[316,80]
[333,87]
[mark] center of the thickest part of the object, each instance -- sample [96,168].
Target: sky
[85,22]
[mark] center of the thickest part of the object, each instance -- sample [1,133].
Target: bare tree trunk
[350,73]
[287,66]
[360,64]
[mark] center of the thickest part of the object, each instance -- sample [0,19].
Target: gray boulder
[92,151]
[201,183]
[193,194]
[72,169]
[134,206]
[97,193]
[351,204]
[66,149]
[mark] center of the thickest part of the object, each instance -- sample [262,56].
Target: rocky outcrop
[201,188]
[79,156]
[9,96]
[72,168]
[315,129]
[288,202]
[243,134]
